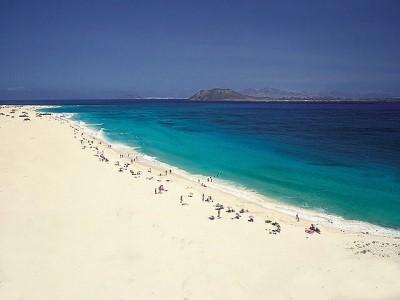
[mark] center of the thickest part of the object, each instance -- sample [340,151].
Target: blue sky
[173,48]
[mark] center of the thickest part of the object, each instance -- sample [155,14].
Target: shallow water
[343,159]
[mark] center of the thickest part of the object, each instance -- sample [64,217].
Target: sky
[168,48]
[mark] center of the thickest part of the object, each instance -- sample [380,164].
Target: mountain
[265,94]
[272,93]
[278,94]
[219,94]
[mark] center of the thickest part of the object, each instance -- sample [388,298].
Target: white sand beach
[73,226]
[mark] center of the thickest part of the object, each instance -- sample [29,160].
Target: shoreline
[332,221]
[78,221]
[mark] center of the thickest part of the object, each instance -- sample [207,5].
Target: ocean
[336,158]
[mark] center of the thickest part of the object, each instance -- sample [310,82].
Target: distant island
[219,94]
[254,95]
[270,94]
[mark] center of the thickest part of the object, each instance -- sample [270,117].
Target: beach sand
[75,227]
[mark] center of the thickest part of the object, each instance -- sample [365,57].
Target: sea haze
[341,158]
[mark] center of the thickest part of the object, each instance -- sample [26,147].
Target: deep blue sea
[341,158]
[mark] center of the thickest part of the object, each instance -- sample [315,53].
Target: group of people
[312,229]
[218,207]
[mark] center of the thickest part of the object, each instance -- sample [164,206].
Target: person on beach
[202,198]
[297,218]
[181,199]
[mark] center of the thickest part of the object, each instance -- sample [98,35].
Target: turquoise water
[343,159]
